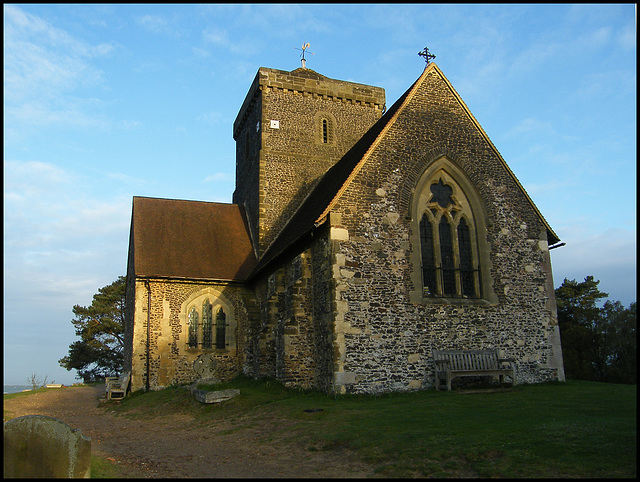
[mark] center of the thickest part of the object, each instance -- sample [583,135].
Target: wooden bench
[450,364]
[117,385]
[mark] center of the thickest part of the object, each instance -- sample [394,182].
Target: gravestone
[216,396]
[205,367]
[40,446]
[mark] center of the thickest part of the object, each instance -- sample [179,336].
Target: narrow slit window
[325,131]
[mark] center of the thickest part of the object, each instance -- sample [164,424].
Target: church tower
[291,128]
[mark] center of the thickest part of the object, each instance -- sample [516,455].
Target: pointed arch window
[193,328]
[207,324]
[428,259]
[325,127]
[221,329]
[467,278]
[448,248]
[447,260]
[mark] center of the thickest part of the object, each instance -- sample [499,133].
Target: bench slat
[456,363]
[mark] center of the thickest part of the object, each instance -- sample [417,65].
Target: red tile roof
[190,239]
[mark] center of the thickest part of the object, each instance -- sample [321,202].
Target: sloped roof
[313,211]
[190,239]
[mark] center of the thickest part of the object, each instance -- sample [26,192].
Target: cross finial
[427,56]
[304,47]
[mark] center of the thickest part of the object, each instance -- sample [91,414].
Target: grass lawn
[572,429]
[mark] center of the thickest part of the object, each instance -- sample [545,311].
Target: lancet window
[193,328]
[448,243]
[203,331]
[325,128]
[221,329]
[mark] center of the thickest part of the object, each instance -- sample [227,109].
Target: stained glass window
[193,328]
[428,262]
[207,324]
[221,329]
[446,257]
[466,261]
[442,194]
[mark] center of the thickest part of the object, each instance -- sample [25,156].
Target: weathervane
[304,48]
[427,56]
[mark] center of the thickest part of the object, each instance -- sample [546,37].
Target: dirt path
[175,446]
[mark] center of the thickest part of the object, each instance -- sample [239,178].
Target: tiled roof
[190,239]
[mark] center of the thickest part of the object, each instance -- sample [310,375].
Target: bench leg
[448,381]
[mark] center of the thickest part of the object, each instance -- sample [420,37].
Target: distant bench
[451,364]
[117,385]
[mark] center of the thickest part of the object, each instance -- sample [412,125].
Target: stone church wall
[387,336]
[280,149]
[293,341]
[388,339]
[170,361]
[344,309]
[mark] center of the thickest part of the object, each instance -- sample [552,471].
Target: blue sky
[106,102]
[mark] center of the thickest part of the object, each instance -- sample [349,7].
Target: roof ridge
[364,144]
[404,99]
[497,153]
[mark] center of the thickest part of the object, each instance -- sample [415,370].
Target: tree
[36,381]
[99,352]
[598,343]
[621,342]
[578,317]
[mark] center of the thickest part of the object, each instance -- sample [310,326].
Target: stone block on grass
[45,447]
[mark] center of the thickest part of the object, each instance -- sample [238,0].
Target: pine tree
[100,327]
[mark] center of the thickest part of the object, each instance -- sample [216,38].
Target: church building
[359,240]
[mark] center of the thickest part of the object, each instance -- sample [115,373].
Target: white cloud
[159,24]
[627,38]
[218,176]
[216,36]
[531,126]
[43,67]
[24,172]
[553,185]
[213,117]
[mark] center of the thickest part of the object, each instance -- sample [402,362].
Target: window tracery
[451,234]
[209,322]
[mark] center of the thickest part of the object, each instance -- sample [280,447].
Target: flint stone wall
[389,332]
[277,164]
[170,360]
[369,326]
